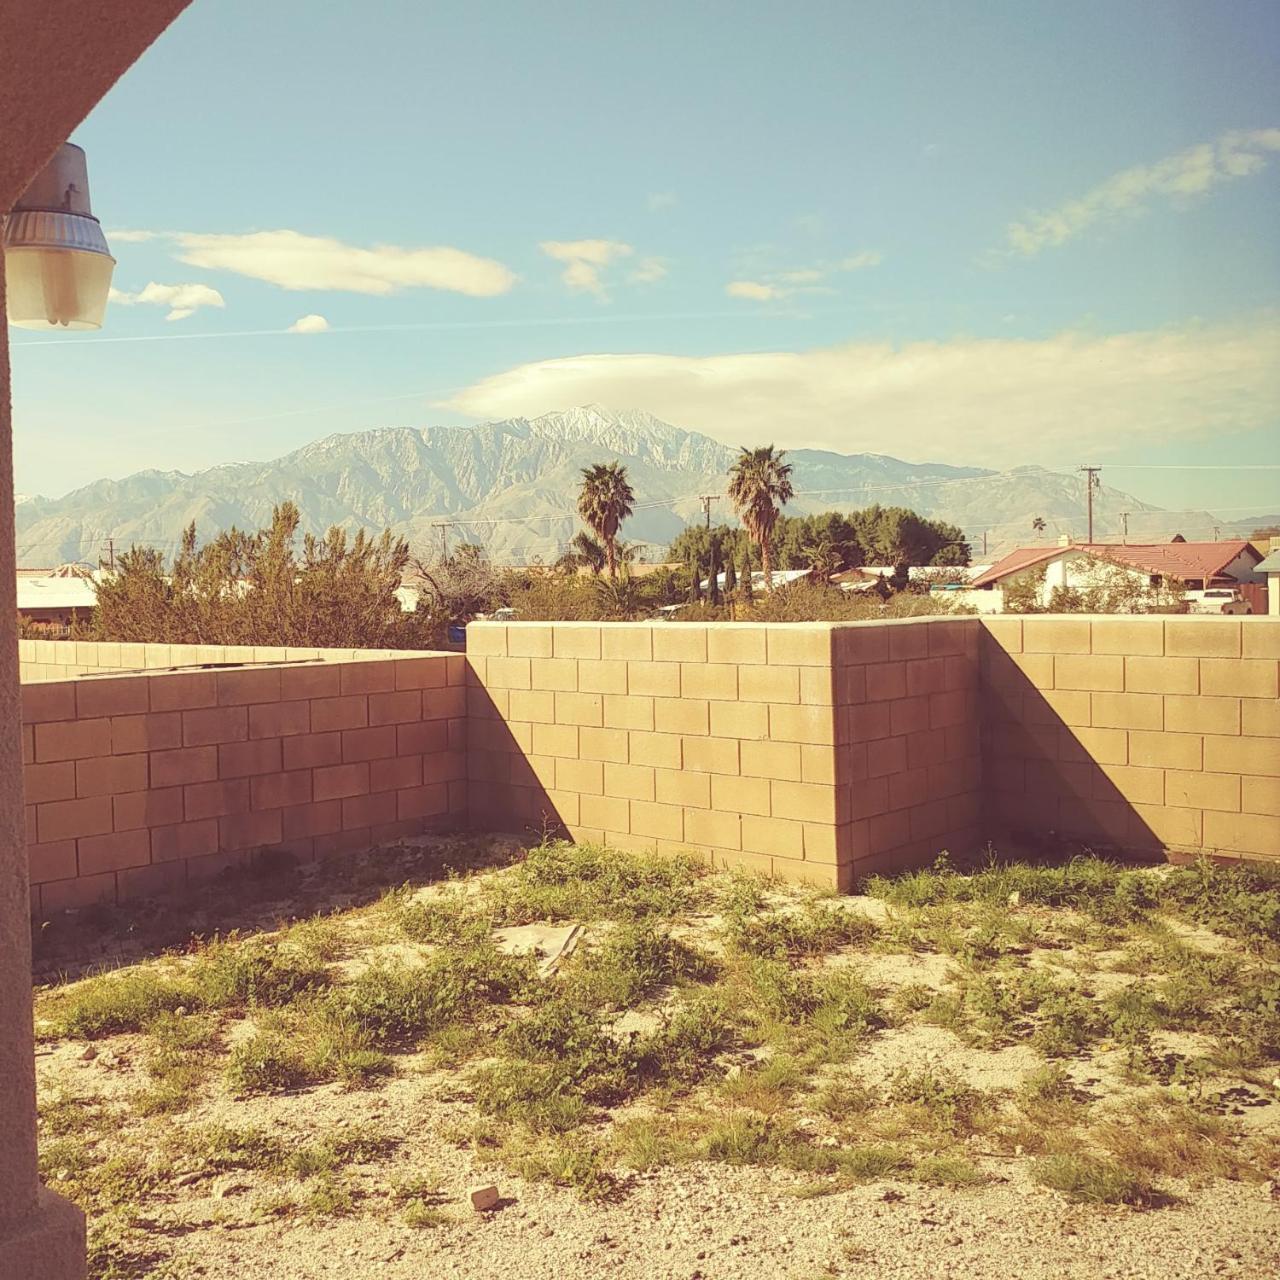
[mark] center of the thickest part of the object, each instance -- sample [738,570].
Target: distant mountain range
[512,486]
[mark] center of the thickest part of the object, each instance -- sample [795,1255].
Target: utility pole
[1124,526]
[1091,482]
[984,544]
[110,548]
[443,526]
[707,499]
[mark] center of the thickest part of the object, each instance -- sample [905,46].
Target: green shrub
[1091,1180]
[815,929]
[560,881]
[267,1062]
[232,973]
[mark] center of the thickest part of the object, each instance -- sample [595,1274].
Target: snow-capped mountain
[512,485]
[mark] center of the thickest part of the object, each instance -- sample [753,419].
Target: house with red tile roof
[1195,565]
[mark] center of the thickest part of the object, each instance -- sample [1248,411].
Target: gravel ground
[713,1223]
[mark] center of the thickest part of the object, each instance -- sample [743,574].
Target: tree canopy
[874,535]
[254,588]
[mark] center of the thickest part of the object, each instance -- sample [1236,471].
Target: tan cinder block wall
[141,783]
[909,748]
[1139,734]
[752,745]
[64,659]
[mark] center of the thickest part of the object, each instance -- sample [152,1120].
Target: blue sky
[991,234]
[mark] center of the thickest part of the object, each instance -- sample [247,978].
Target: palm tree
[588,553]
[604,502]
[759,483]
[1038,524]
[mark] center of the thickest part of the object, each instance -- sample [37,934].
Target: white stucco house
[1194,566]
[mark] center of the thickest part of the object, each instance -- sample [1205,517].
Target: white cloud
[1193,172]
[182,299]
[584,260]
[861,261]
[660,201]
[784,284]
[755,290]
[296,261]
[991,401]
[310,324]
[649,271]
[122,235]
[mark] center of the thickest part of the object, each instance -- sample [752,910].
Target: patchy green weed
[1092,1180]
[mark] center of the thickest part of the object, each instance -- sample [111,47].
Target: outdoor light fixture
[57,264]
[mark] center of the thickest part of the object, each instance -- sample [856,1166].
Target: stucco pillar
[41,1234]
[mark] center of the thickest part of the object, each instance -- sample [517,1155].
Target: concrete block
[612,745]
[529,641]
[737,644]
[1053,634]
[1239,677]
[654,679]
[1127,710]
[800,644]
[1202,637]
[400,706]
[769,684]
[711,755]
[802,724]
[336,782]
[71,819]
[775,836]
[1257,756]
[746,720]
[244,759]
[740,795]
[1203,790]
[1162,675]
[628,711]
[72,740]
[674,786]
[660,750]
[1103,672]
[632,644]
[682,715]
[309,750]
[1184,714]
[713,828]
[575,640]
[679,642]
[238,688]
[108,775]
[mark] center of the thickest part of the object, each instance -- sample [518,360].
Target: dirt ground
[694,1220]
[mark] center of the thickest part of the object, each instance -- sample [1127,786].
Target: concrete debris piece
[483,1198]
[549,943]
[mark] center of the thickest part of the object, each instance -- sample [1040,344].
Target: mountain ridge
[512,484]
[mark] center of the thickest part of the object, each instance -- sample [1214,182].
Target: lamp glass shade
[57,264]
[57,288]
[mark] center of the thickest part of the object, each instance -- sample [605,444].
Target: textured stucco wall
[57,59]
[72,52]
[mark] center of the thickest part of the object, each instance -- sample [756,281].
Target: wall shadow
[1054,783]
